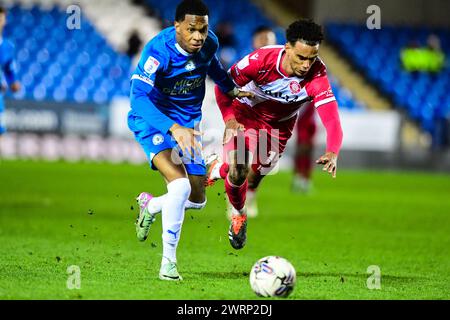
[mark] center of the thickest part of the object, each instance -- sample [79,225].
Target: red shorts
[264,141]
[306,125]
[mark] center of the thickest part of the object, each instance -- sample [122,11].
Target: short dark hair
[3,10]
[304,30]
[194,7]
[262,29]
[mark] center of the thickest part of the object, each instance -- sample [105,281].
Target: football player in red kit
[283,80]
[261,37]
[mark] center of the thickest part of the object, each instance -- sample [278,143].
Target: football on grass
[273,276]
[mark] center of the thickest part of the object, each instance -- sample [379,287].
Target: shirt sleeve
[219,75]
[246,70]
[321,92]
[329,116]
[325,103]
[142,83]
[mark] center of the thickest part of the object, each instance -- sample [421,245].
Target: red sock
[236,194]
[223,171]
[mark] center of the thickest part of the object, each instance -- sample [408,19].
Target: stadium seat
[422,95]
[73,61]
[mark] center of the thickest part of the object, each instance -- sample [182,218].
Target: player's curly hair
[194,7]
[304,30]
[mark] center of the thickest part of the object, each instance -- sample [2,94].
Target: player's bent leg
[156,146]
[196,201]
[149,206]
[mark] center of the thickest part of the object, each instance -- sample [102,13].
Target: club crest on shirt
[295,87]
[151,65]
[157,139]
[190,65]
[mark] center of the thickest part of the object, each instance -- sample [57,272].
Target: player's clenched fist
[236,93]
[329,160]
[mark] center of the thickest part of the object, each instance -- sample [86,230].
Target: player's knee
[237,174]
[179,188]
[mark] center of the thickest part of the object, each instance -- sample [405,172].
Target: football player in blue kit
[167,91]
[8,67]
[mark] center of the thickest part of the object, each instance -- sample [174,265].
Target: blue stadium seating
[55,63]
[376,53]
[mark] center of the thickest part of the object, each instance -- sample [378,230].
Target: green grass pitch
[54,215]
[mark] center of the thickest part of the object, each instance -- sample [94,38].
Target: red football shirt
[278,96]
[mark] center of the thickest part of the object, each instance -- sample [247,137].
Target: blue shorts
[154,141]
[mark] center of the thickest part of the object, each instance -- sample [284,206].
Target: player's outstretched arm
[330,118]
